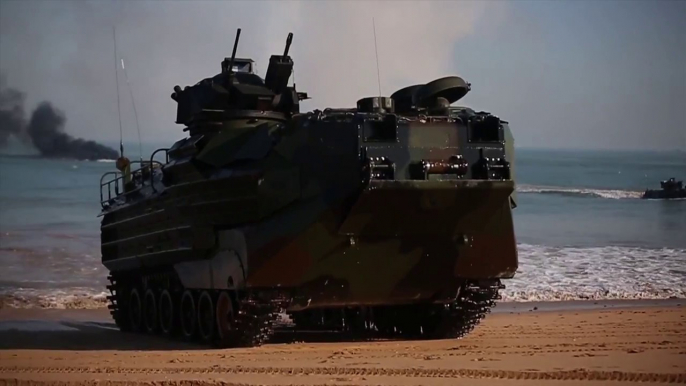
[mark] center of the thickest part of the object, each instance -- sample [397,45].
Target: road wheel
[188,315]
[206,318]
[135,310]
[226,322]
[166,313]
[150,312]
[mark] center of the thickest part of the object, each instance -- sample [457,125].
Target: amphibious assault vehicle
[392,218]
[669,189]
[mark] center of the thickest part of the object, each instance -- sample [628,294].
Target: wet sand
[573,343]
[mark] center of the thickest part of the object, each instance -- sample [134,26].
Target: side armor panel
[227,269]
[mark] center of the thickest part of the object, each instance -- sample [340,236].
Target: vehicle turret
[425,98]
[237,92]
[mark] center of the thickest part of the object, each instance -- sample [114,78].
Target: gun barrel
[289,40]
[235,46]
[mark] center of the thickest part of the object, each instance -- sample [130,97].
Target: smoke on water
[45,130]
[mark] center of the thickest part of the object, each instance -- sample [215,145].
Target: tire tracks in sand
[567,375]
[584,348]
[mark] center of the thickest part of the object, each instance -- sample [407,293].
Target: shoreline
[102,313]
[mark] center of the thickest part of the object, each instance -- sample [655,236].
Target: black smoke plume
[44,130]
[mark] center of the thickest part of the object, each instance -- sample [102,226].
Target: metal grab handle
[138,172]
[166,161]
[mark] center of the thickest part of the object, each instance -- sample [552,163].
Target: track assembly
[228,319]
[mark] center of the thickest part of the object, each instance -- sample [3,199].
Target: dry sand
[613,346]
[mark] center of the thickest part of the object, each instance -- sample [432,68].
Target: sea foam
[601,193]
[611,272]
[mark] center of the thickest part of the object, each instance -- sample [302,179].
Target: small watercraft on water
[671,188]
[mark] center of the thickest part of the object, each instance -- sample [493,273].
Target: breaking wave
[602,193]
[610,272]
[68,298]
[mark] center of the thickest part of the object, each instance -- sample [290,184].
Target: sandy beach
[520,344]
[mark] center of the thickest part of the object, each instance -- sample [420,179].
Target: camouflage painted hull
[373,254]
[378,253]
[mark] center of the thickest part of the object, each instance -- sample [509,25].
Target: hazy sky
[597,74]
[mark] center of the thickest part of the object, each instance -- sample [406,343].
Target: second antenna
[378,73]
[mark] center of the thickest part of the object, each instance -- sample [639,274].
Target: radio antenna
[135,113]
[116,79]
[378,73]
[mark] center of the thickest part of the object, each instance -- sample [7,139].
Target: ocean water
[582,230]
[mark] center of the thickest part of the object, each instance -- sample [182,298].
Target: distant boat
[670,189]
